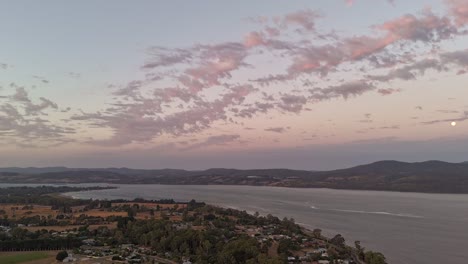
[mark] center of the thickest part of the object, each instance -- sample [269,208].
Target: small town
[140,231]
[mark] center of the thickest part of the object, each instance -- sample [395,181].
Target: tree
[119,236]
[357,245]
[61,255]
[317,233]
[338,240]
[239,251]
[131,212]
[286,246]
[360,249]
[374,258]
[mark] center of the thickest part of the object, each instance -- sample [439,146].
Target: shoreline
[110,185]
[264,230]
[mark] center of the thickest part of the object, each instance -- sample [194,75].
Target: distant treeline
[43,195]
[40,190]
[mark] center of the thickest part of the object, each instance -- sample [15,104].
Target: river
[409,228]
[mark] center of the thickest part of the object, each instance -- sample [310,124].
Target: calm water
[408,228]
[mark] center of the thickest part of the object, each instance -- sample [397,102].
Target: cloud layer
[284,66]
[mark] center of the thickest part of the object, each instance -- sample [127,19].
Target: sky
[303,84]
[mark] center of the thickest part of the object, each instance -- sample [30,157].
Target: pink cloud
[140,122]
[351,2]
[217,62]
[305,19]
[428,28]
[254,39]
[459,10]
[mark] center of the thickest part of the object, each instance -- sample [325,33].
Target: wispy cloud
[219,140]
[276,129]
[463,117]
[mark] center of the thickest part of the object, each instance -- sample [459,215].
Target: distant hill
[428,176]
[33,170]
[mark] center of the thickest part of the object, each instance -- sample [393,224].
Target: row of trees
[39,244]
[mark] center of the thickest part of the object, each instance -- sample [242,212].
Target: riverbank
[130,229]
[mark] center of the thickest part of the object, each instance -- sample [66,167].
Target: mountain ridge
[431,176]
[36,170]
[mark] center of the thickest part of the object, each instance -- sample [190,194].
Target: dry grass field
[150,205]
[15,210]
[101,213]
[68,227]
[28,257]
[18,211]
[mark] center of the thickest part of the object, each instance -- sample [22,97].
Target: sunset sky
[303,84]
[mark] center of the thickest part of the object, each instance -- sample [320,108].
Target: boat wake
[369,212]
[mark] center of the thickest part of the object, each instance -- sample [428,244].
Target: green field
[22,257]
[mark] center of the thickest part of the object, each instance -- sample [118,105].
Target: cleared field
[67,227]
[19,211]
[151,205]
[39,257]
[16,210]
[96,212]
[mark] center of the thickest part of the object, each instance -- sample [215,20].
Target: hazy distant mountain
[125,171]
[429,176]
[33,170]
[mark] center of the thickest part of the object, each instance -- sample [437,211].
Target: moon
[453,123]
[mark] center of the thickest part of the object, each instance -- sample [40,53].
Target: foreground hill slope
[429,176]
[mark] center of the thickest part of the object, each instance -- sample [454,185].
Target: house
[69,258]
[321,250]
[89,242]
[126,246]
[324,262]
[134,259]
